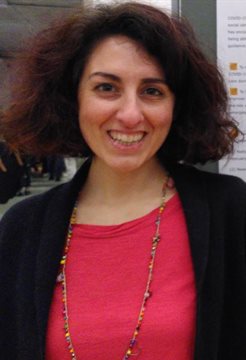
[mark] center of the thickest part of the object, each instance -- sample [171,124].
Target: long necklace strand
[147,294]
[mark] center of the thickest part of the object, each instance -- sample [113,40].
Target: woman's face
[125,105]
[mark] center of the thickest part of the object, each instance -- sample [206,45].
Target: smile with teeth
[126,139]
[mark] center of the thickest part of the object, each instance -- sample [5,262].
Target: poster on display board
[231,55]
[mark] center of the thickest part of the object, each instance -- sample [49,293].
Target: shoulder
[59,199]
[226,194]
[213,180]
[216,189]
[227,186]
[30,210]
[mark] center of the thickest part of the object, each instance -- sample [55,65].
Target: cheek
[163,120]
[84,124]
[90,125]
[86,116]
[87,134]
[91,112]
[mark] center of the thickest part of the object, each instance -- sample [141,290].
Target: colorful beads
[147,293]
[62,278]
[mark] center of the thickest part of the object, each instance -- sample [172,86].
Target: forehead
[119,53]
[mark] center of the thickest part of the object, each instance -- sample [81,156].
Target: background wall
[202,15]
[20,19]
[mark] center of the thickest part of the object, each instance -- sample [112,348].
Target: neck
[112,187]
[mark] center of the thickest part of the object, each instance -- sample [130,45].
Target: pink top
[107,270]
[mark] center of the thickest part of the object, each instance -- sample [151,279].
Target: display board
[231,54]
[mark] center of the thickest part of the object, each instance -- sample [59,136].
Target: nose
[130,112]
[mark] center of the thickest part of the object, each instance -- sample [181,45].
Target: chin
[122,164]
[125,166]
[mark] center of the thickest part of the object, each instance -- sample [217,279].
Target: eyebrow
[117,78]
[107,75]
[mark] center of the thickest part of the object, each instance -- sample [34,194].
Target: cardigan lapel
[52,239]
[193,194]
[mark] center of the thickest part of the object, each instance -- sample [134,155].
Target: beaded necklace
[147,294]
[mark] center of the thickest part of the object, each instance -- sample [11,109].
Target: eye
[106,87]
[153,91]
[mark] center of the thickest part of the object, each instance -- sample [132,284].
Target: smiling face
[125,106]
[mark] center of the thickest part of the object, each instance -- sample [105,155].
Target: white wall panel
[231,52]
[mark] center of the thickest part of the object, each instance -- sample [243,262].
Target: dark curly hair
[43,117]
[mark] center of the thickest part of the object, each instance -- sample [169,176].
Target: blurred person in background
[55,167]
[26,176]
[11,173]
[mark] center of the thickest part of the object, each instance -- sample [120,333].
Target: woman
[138,256]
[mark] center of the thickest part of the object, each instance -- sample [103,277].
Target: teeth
[126,138]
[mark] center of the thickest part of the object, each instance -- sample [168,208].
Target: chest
[107,271]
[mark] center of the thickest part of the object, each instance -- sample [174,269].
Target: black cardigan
[32,236]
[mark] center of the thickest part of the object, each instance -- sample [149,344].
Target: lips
[126,139]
